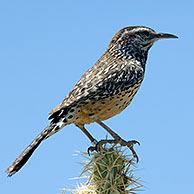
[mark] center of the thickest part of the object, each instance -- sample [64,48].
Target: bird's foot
[130,145]
[94,142]
[122,142]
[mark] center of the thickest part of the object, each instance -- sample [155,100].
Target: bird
[104,91]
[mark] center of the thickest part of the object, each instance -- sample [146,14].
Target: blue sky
[45,47]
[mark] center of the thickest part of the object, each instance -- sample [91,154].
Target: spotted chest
[105,108]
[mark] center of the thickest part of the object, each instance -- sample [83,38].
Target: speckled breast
[105,108]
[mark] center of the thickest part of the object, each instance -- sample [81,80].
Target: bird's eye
[146,33]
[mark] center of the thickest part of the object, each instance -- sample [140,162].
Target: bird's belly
[106,108]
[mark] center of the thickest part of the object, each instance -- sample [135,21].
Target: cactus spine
[108,172]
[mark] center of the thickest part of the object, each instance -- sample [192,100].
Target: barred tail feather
[25,155]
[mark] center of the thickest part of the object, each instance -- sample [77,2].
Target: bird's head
[138,37]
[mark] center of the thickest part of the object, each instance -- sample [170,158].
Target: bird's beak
[163,35]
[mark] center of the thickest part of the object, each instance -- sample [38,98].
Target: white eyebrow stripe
[132,31]
[139,29]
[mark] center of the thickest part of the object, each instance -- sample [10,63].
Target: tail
[25,155]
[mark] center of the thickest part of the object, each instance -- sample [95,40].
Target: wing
[104,79]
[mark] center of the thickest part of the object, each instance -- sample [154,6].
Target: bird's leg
[117,139]
[110,131]
[93,141]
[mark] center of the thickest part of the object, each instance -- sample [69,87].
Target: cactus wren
[103,91]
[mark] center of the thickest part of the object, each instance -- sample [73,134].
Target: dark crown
[134,42]
[141,34]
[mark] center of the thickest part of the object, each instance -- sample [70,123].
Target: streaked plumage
[104,90]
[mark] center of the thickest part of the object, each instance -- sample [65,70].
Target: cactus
[109,172]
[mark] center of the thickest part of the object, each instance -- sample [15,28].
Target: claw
[130,145]
[135,142]
[92,149]
[134,153]
[96,147]
[122,142]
